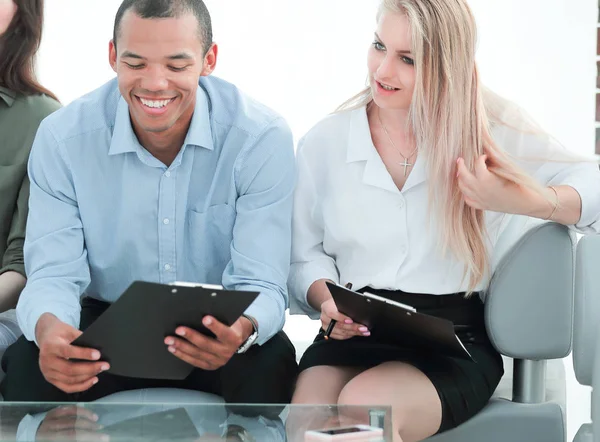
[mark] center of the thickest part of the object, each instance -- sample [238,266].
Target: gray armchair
[529,318]
[586,345]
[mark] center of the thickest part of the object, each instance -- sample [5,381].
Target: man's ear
[112,55]
[210,61]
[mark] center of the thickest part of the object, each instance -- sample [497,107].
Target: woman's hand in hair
[484,190]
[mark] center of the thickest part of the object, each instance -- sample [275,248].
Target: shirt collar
[360,143]
[199,133]
[8,96]
[361,148]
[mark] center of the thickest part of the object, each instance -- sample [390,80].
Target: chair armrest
[529,302]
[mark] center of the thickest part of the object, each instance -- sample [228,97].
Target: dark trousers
[263,375]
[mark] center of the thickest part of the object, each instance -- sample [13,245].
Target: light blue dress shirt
[104,212]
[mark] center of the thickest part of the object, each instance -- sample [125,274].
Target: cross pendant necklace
[405,164]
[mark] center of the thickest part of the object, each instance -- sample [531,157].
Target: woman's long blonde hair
[451,116]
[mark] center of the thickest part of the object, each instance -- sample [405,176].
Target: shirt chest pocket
[209,236]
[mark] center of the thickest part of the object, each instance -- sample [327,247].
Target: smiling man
[163,174]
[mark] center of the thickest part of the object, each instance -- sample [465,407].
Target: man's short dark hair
[168,9]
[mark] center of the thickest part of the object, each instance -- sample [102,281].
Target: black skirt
[464,387]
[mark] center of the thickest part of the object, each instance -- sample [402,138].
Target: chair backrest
[529,302]
[587,308]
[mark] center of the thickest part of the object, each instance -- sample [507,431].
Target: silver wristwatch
[252,338]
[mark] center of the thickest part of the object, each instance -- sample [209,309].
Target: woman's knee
[415,407]
[352,395]
[322,384]
[364,389]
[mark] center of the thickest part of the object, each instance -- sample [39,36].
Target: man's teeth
[155,104]
[388,88]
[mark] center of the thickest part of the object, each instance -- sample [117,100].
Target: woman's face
[8,9]
[391,63]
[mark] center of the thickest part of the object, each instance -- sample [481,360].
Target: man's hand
[54,338]
[70,423]
[208,353]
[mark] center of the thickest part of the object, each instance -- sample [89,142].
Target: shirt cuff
[590,203]
[268,312]
[302,276]
[28,317]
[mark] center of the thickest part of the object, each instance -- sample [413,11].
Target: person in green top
[24,103]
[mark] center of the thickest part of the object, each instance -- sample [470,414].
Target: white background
[303,58]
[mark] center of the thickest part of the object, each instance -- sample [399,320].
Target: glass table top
[112,421]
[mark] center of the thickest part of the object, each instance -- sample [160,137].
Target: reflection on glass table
[189,422]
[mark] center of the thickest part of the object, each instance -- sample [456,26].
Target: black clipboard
[399,324]
[130,333]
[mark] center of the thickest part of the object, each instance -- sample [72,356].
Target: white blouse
[352,224]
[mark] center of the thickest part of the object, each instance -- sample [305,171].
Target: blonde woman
[404,192]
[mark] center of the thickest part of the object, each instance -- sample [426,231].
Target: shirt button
[167,174]
[166,221]
[167,267]
[401,204]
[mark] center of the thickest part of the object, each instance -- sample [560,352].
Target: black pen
[333,321]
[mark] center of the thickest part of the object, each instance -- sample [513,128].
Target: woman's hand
[484,190]
[345,328]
